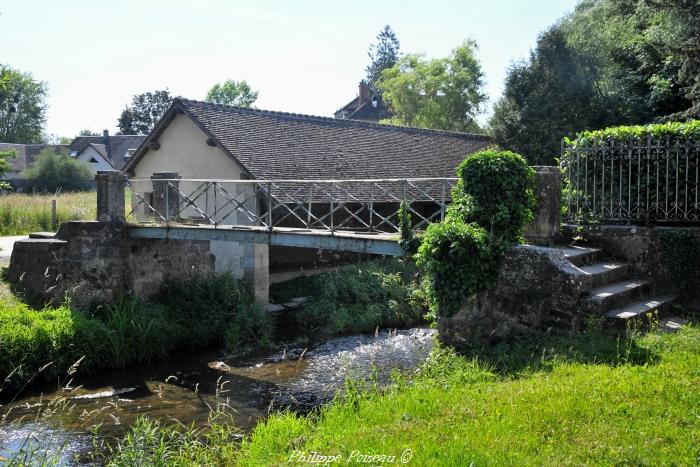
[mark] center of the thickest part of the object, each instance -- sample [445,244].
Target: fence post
[54,220]
[110,196]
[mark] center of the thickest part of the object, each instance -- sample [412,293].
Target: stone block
[544,227]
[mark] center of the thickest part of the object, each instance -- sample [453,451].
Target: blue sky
[303,56]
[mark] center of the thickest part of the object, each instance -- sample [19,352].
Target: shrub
[500,187]
[360,298]
[491,203]
[457,261]
[57,171]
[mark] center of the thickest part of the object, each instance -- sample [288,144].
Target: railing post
[166,196]
[544,227]
[269,206]
[110,196]
[332,220]
[442,200]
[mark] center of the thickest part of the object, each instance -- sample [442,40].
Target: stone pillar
[544,227]
[110,195]
[165,198]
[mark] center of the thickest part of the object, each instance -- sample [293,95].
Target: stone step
[606,272]
[42,235]
[618,294]
[579,255]
[641,308]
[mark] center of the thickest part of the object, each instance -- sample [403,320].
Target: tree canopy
[55,171]
[383,54]
[610,62]
[442,93]
[234,93]
[144,112]
[22,107]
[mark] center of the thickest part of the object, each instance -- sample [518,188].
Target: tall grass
[189,314]
[358,298]
[21,213]
[565,401]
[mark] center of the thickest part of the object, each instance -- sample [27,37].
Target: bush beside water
[189,314]
[358,298]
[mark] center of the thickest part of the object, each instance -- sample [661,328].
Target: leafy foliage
[383,55]
[144,112]
[5,167]
[492,201]
[234,93]
[610,62]
[55,171]
[22,107]
[358,298]
[500,186]
[444,93]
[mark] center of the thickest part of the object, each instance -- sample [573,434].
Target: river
[62,420]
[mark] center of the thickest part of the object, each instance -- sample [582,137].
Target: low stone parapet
[538,291]
[93,262]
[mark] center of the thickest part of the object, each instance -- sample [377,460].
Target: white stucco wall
[183,149]
[91,153]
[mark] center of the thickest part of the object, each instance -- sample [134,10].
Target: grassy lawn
[590,399]
[22,213]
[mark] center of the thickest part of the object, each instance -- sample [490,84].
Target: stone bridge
[177,227]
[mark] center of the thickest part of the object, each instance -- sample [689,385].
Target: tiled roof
[119,145]
[278,145]
[100,148]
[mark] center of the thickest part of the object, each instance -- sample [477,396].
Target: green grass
[190,314]
[23,213]
[358,298]
[588,399]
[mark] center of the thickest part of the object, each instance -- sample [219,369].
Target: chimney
[105,140]
[364,92]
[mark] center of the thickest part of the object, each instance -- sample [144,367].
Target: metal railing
[651,181]
[330,205]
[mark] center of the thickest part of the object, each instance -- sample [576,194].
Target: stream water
[186,388]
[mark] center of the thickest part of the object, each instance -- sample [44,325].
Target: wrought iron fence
[655,180]
[330,205]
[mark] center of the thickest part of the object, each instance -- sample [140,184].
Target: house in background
[106,152]
[199,140]
[25,156]
[364,107]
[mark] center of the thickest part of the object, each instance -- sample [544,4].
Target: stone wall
[95,262]
[538,291]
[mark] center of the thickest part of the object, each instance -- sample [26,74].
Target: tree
[444,93]
[384,54]
[234,93]
[610,62]
[685,47]
[144,112]
[22,107]
[87,132]
[55,171]
[543,100]
[5,167]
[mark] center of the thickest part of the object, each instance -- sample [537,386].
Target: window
[93,161]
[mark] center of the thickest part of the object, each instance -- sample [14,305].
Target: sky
[303,56]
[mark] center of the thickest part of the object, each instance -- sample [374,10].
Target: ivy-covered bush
[491,204]
[500,186]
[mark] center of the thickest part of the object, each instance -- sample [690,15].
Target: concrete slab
[601,293]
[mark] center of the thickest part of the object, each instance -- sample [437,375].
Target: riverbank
[589,399]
